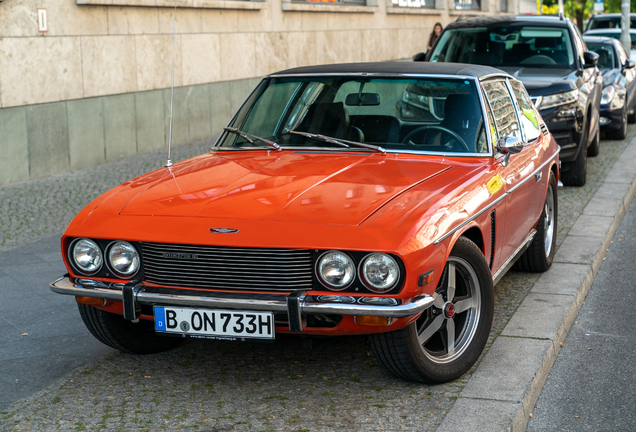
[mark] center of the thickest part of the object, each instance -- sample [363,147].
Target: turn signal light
[93,301]
[376,321]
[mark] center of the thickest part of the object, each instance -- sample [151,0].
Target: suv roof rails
[465,16]
[561,16]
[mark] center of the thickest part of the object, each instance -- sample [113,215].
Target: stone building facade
[83,82]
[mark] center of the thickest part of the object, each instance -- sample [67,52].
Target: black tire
[621,132]
[434,360]
[116,332]
[631,114]
[595,148]
[539,255]
[577,174]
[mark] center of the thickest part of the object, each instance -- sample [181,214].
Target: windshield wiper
[340,142]
[249,137]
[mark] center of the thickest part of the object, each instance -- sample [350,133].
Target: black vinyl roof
[396,68]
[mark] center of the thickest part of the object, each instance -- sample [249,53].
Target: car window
[269,108]
[507,45]
[616,35]
[434,115]
[527,115]
[608,23]
[606,58]
[502,108]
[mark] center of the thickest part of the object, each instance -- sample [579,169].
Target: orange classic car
[379,199]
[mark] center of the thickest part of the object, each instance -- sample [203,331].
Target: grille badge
[179,255]
[223,230]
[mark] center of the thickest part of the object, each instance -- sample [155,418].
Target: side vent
[492,238]
[544,129]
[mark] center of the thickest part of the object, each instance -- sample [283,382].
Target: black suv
[549,56]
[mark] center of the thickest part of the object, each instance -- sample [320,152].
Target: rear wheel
[448,338]
[539,255]
[577,174]
[116,332]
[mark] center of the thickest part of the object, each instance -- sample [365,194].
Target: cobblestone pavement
[225,386]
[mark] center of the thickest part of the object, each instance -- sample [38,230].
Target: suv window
[608,23]
[507,45]
[502,108]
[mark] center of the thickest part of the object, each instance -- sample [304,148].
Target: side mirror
[629,64]
[507,146]
[591,59]
[419,57]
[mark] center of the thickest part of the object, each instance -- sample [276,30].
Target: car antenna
[174,36]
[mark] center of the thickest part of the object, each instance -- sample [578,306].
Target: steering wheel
[458,141]
[539,59]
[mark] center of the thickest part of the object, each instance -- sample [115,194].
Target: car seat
[330,119]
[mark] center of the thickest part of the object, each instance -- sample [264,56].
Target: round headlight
[380,272]
[336,270]
[86,256]
[123,258]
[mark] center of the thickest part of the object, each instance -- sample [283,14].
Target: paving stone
[591,226]
[578,250]
[507,369]
[538,316]
[481,415]
[562,278]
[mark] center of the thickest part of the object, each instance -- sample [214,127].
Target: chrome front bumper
[294,304]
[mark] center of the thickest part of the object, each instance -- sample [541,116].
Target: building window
[503,5]
[468,4]
[414,3]
[332,2]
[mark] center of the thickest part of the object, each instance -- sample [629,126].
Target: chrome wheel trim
[444,339]
[548,222]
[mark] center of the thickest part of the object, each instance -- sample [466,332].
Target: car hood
[610,76]
[321,187]
[544,81]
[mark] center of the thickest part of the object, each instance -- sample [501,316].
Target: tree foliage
[580,11]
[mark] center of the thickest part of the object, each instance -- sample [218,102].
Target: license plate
[214,323]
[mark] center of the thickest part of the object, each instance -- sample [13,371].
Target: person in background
[437,29]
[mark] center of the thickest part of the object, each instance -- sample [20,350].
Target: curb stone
[501,393]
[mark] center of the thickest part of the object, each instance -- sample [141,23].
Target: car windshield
[606,58]
[354,113]
[608,23]
[507,45]
[616,35]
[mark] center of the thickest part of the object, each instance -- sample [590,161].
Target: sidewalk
[502,392]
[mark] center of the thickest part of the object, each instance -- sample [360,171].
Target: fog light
[336,299]
[380,301]
[93,301]
[568,113]
[376,321]
[604,121]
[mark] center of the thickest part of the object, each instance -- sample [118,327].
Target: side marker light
[425,278]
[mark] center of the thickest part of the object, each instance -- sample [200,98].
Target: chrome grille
[221,267]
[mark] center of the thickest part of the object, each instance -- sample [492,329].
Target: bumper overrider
[135,294]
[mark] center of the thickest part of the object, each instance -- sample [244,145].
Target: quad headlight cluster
[87,257]
[337,271]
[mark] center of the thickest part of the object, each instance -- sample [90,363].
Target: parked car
[549,56]
[615,34]
[326,209]
[618,99]
[609,21]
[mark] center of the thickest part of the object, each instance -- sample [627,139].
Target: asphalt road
[592,385]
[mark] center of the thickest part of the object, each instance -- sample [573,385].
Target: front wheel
[448,338]
[116,332]
[539,255]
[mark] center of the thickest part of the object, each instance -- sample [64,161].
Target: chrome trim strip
[479,213]
[378,74]
[261,302]
[512,258]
